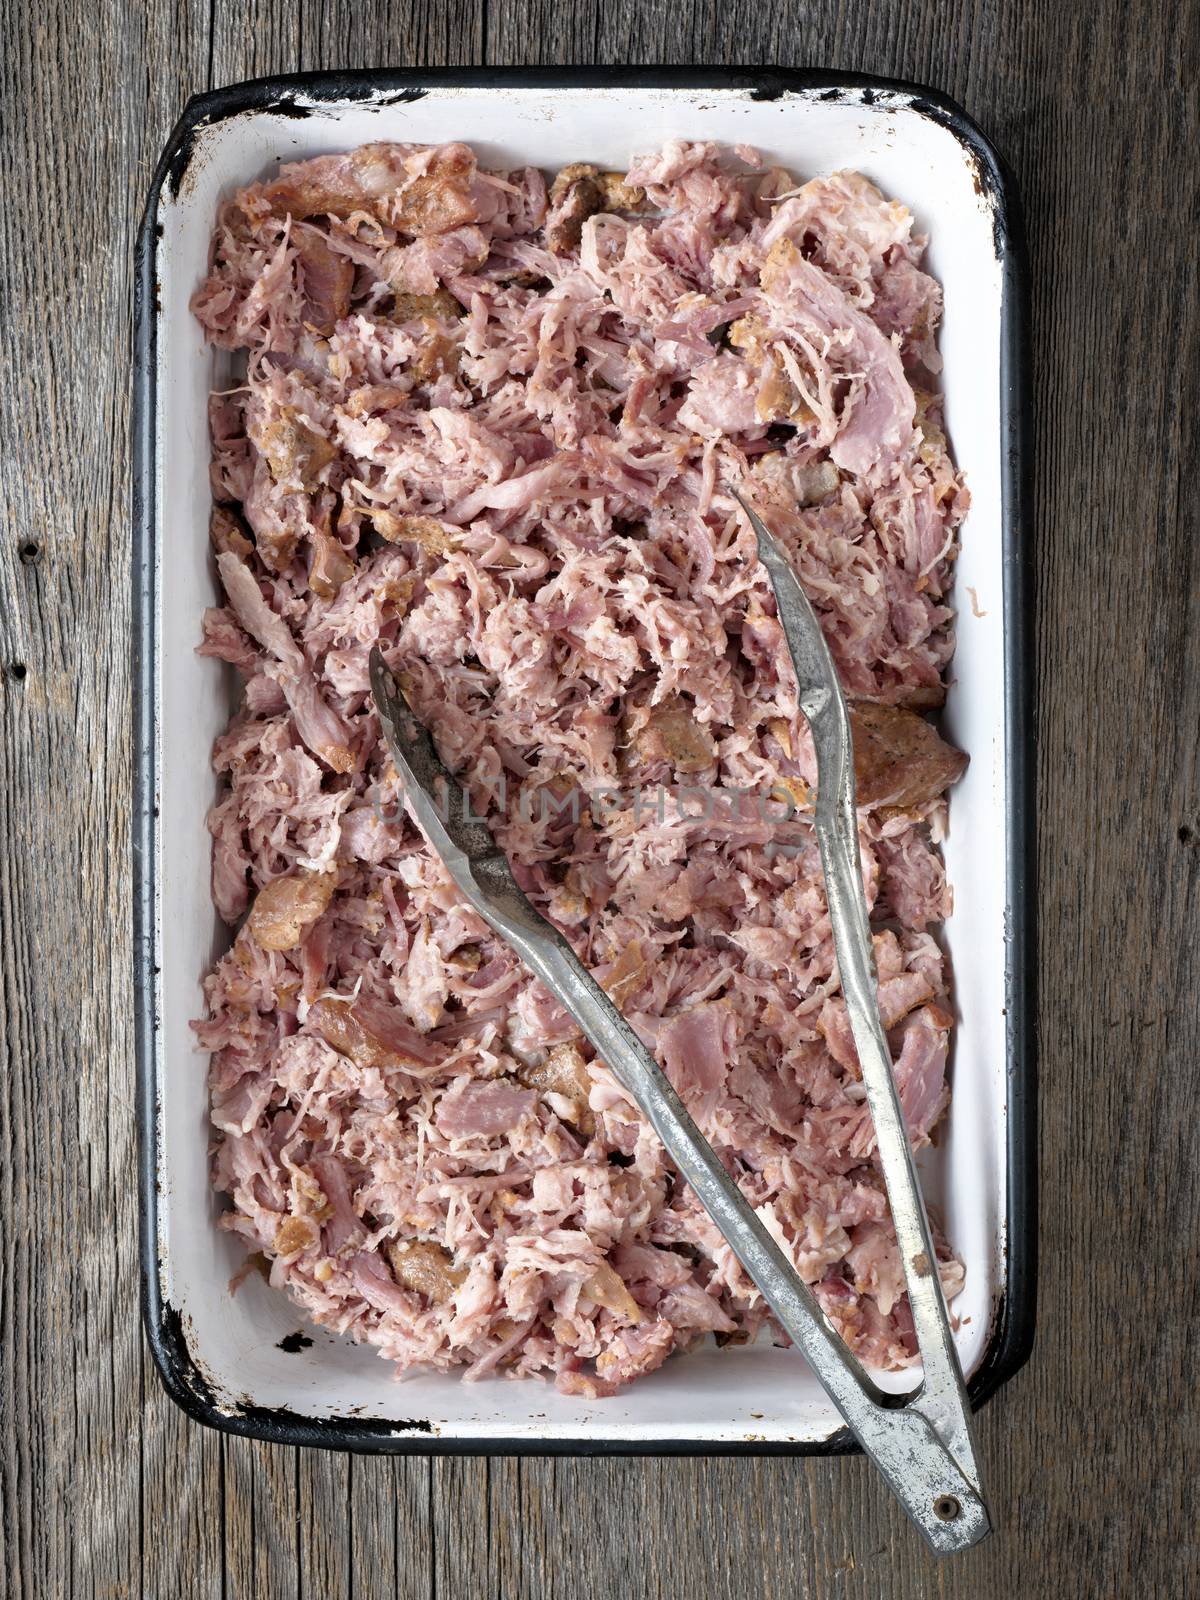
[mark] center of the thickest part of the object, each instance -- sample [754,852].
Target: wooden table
[106,1489]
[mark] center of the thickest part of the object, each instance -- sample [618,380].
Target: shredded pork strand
[489,427]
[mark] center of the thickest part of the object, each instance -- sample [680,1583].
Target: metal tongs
[921,1444]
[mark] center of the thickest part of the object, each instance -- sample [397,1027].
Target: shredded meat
[900,761]
[367,1031]
[427,1269]
[489,428]
[563,1073]
[295,453]
[227,532]
[326,279]
[286,906]
[672,734]
[580,191]
[428,532]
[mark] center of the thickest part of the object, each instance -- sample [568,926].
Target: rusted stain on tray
[192,1373]
[986,183]
[284,104]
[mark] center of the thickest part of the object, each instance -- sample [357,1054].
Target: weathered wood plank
[325,1523]
[460,1527]
[181,1509]
[391,1547]
[104,1488]
[79,129]
[261,1520]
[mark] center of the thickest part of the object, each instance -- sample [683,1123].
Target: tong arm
[921,1471]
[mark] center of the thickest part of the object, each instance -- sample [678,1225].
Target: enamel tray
[232,1360]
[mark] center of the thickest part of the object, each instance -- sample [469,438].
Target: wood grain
[104,1488]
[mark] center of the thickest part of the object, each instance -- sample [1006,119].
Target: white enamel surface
[711,1395]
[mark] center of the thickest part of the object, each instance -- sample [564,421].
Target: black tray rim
[1014,1316]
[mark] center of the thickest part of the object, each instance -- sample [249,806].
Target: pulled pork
[488,428]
